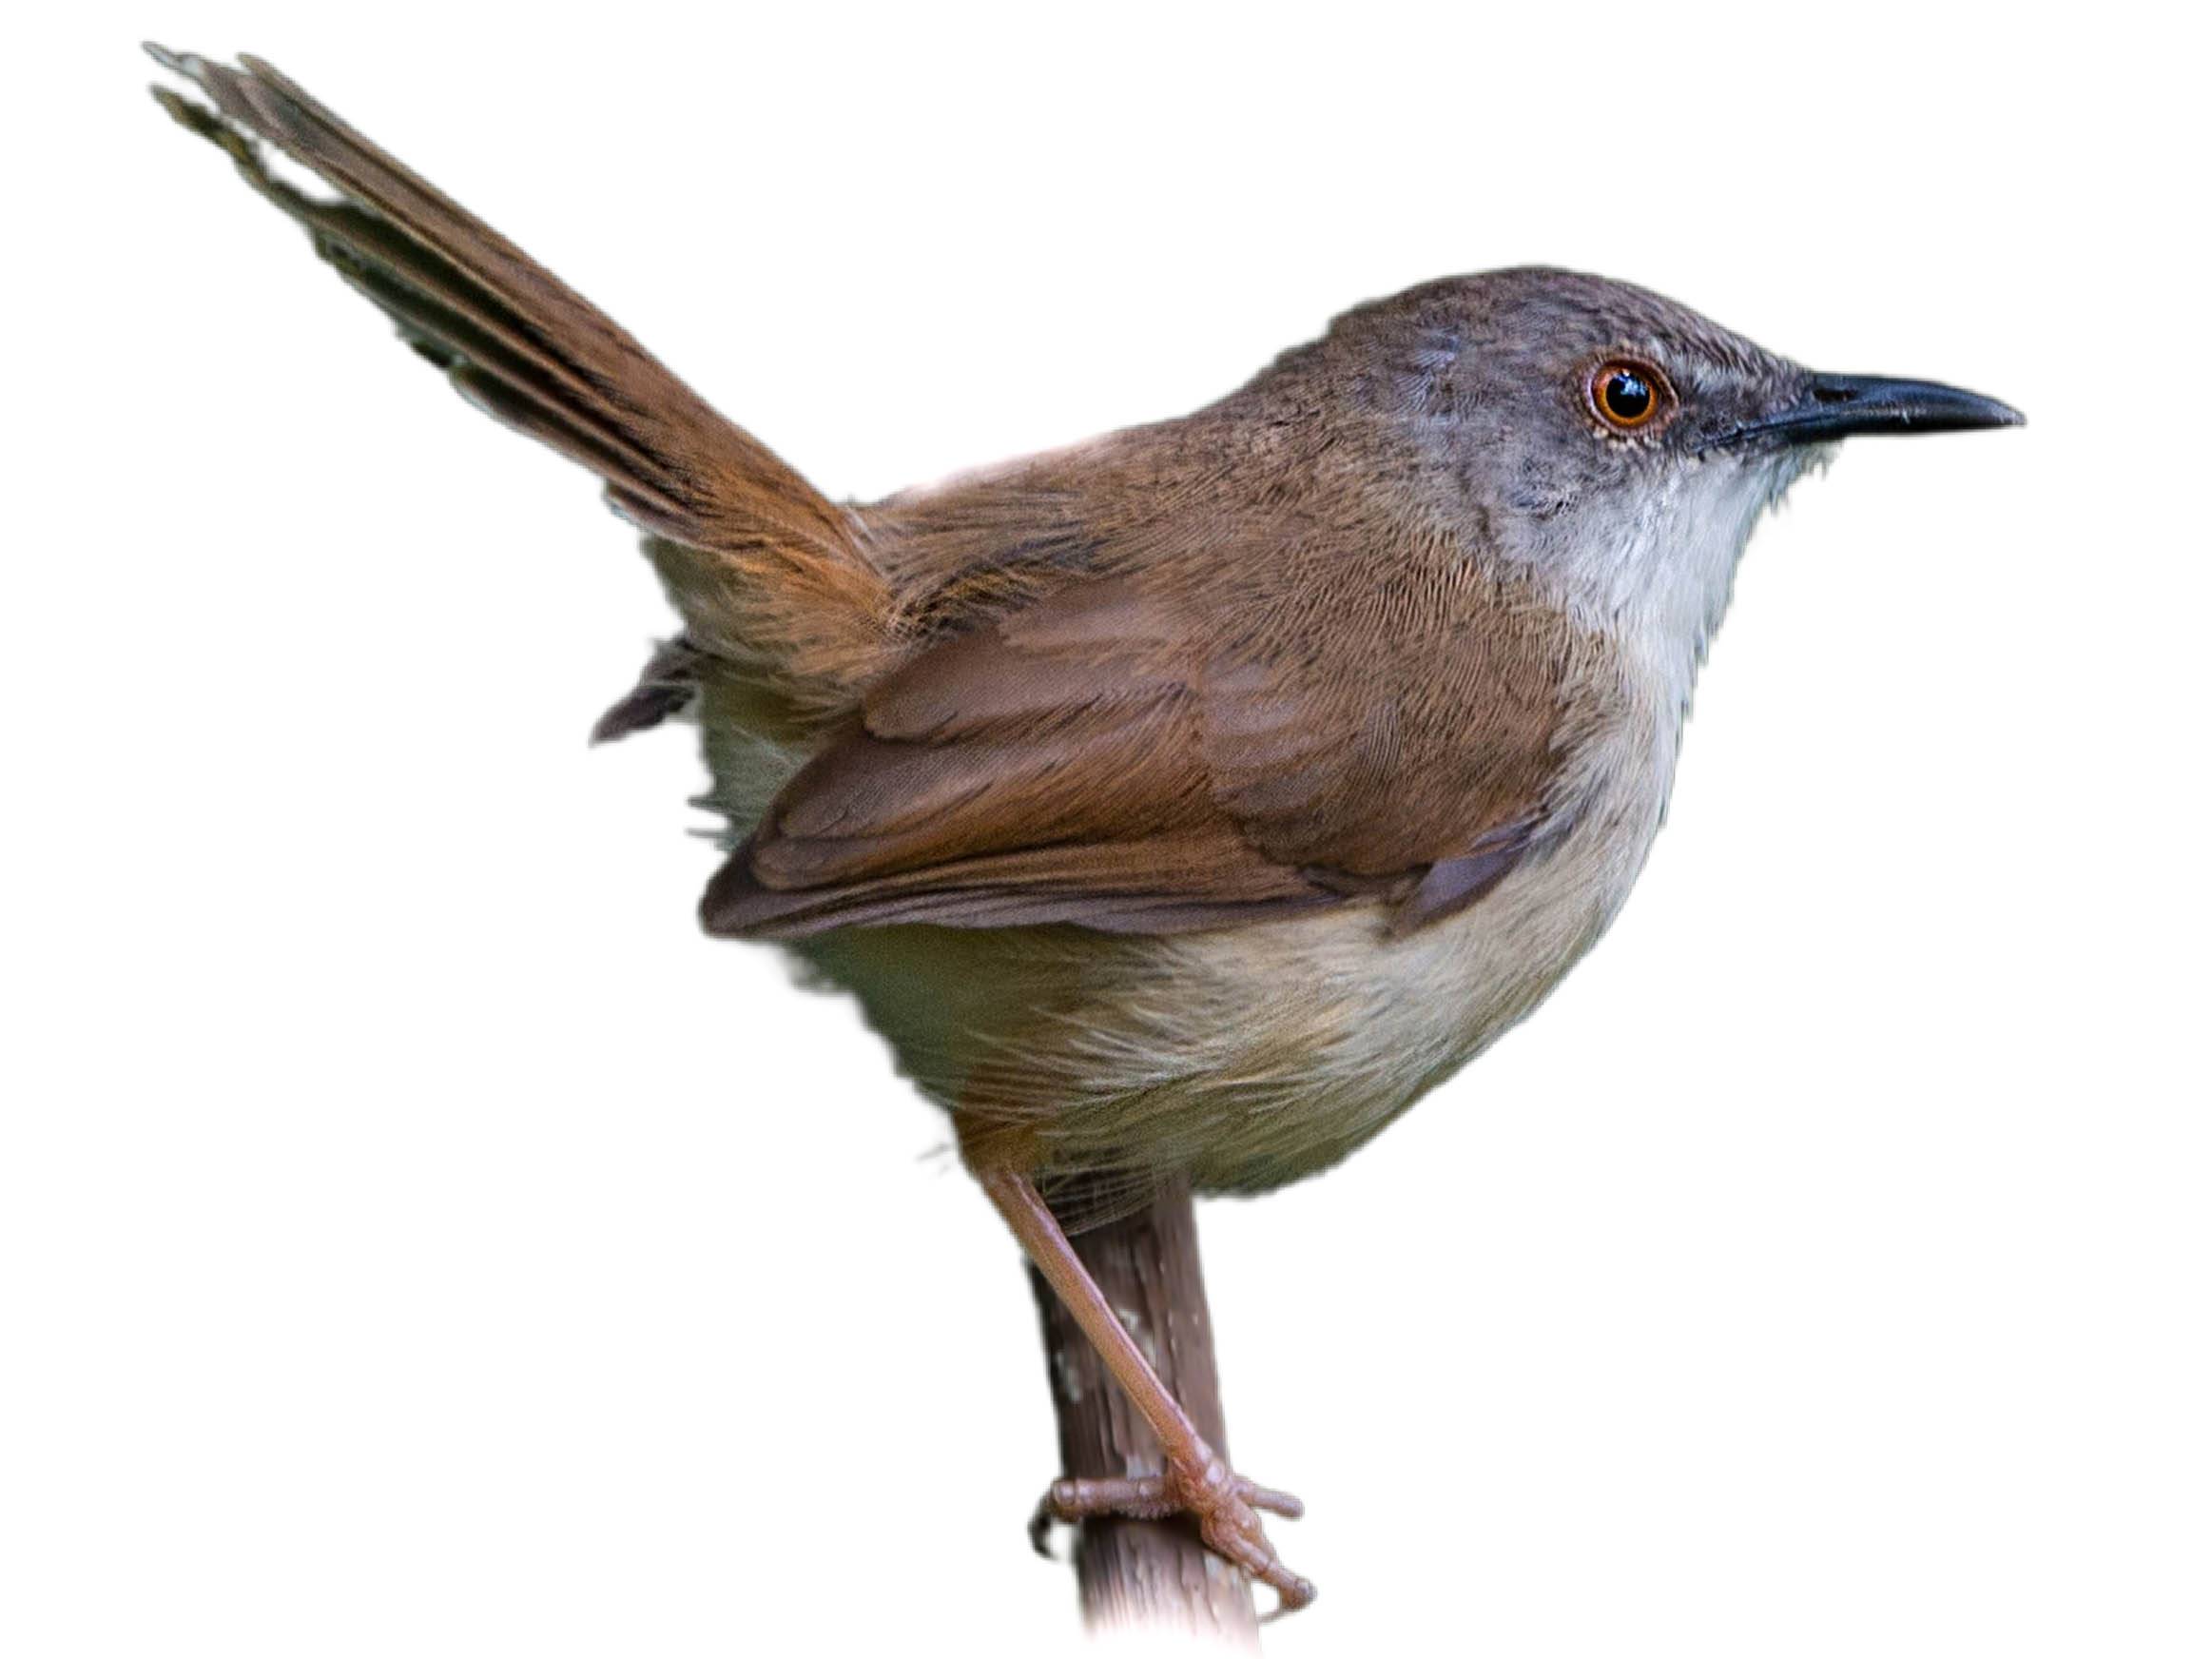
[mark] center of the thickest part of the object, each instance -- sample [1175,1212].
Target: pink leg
[1197,1481]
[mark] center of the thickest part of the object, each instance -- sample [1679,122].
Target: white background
[414,1238]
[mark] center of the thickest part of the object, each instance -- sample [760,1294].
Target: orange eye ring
[1629,395]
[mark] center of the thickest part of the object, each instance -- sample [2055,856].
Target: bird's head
[1617,445]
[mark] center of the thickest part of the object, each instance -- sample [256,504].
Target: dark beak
[1845,405]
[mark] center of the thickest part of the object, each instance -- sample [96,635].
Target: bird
[1188,803]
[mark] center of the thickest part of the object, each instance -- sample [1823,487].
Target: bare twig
[1144,1573]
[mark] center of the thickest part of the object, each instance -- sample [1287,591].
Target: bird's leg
[1197,1481]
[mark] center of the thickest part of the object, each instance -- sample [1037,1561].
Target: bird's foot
[1224,1504]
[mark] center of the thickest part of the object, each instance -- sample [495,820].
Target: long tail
[768,574]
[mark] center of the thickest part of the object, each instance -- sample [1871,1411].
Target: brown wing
[1126,760]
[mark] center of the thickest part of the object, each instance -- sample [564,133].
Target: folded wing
[1114,758]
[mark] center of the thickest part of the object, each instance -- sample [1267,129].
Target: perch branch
[1150,1575]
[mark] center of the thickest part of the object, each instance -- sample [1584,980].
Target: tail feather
[766,571]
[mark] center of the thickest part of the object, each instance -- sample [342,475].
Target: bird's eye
[1629,397]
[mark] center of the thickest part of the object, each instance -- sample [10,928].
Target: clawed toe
[1267,1497]
[1224,1506]
[1239,1538]
[1071,1501]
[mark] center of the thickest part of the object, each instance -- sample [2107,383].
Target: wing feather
[1111,759]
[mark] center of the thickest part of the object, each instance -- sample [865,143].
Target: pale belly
[1245,1058]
